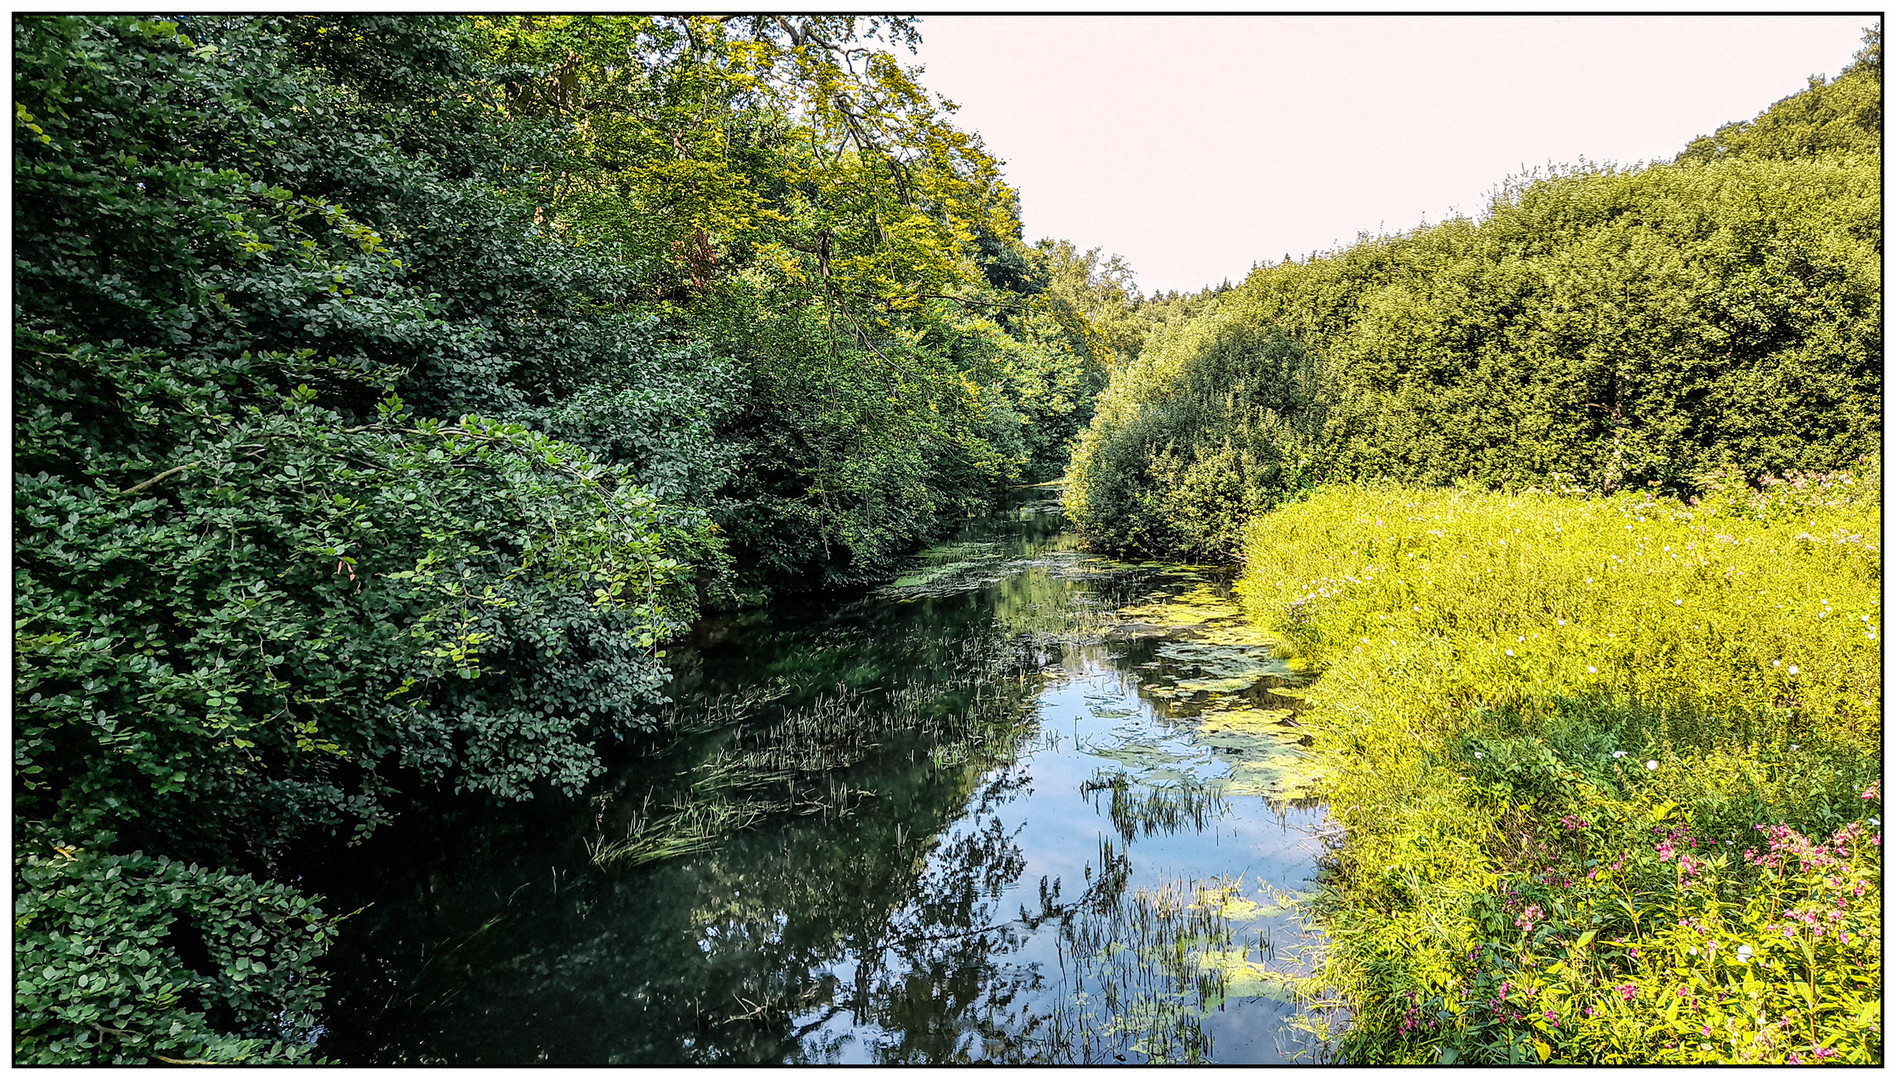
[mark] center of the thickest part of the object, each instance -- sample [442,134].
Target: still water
[1022,805]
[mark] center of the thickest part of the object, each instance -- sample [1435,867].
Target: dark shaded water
[1024,805]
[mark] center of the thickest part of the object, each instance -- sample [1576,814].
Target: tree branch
[167,474]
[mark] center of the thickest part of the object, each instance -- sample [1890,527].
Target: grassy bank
[1608,767]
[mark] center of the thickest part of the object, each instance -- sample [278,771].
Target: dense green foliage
[1844,115]
[1603,767]
[1597,327]
[1183,453]
[106,946]
[1608,766]
[884,351]
[389,388]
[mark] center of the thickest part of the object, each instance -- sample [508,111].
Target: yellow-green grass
[1537,701]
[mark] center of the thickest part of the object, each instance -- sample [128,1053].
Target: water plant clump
[1220,684]
[745,766]
[1150,965]
[1607,767]
[1163,809]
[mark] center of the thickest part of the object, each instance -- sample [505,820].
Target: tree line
[388,389]
[1597,328]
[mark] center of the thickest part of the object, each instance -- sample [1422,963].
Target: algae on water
[1217,676]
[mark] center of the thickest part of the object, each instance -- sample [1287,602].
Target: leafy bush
[1203,432]
[1597,327]
[1517,690]
[382,406]
[1622,937]
[1844,115]
[255,593]
[126,959]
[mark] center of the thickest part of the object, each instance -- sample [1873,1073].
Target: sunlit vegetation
[1608,768]
[393,393]
[1596,327]
[390,389]
[1573,509]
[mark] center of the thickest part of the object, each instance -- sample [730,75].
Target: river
[1022,805]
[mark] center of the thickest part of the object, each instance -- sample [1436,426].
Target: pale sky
[1197,145]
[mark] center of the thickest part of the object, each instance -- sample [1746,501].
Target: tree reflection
[841,883]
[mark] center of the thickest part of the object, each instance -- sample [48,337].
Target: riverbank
[1609,768]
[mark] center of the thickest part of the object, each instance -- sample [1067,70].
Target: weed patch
[1608,768]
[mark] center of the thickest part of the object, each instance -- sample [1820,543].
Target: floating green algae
[1242,977]
[1215,686]
[1215,675]
[1218,660]
[1194,607]
[1263,751]
[1150,763]
[928,575]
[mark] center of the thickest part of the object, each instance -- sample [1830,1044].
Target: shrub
[1604,328]
[1201,434]
[123,959]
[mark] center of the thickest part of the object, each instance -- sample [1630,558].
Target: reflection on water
[1022,805]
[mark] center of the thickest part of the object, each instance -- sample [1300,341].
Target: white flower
[1591,670]
[1693,949]
[1678,603]
[1510,652]
[1876,821]
[1617,754]
[1744,952]
[1563,622]
[1775,663]
[1651,765]
[1478,753]
[1792,669]
[1520,639]
[1793,746]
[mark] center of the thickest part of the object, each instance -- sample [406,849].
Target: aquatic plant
[736,763]
[1151,964]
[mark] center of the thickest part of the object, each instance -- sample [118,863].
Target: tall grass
[1531,705]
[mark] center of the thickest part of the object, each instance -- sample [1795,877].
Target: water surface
[1023,805]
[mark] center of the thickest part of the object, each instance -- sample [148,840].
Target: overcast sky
[1197,145]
